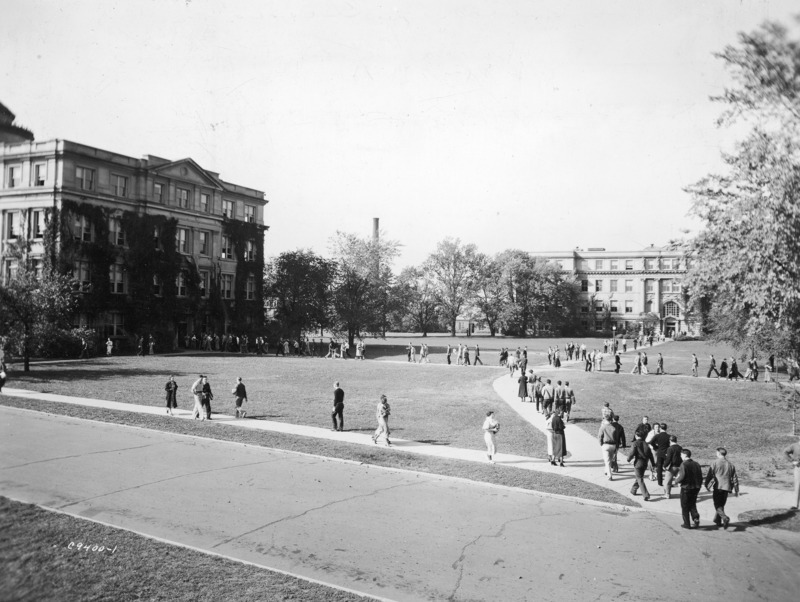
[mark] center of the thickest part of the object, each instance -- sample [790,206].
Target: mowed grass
[41,561]
[749,419]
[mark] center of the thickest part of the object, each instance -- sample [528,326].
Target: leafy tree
[362,283]
[491,296]
[418,307]
[300,282]
[35,307]
[746,262]
[453,269]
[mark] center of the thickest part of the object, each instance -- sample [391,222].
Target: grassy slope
[38,564]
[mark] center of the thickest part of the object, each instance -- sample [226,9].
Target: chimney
[375,234]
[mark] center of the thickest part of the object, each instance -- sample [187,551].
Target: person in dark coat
[523,387]
[641,456]
[723,368]
[690,478]
[206,397]
[338,407]
[172,394]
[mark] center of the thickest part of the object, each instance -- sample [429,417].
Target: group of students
[670,465]
[730,371]
[201,390]
[547,397]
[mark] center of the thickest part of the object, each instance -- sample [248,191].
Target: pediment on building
[188,171]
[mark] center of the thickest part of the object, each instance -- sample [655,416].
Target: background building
[155,246]
[630,290]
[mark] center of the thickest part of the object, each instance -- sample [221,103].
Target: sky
[535,125]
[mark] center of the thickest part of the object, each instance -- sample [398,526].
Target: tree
[418,308]
[453,268]
[33,308]
[491,296]
[362,283]
[300,282]
[746,262]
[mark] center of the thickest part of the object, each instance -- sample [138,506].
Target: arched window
[671,309]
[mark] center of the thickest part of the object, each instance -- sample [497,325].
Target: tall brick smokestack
[375,234]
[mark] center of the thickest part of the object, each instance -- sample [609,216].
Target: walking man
[478,356]
[547,397]
[695,363]
[338,407]
[712,367]
[690,478]
[641,455]
[792,453]
[723,474]
[197,391]
[660,444]
[660,364]
[672,463]
[608,437]
[383,421]
[206,397]
[240,393]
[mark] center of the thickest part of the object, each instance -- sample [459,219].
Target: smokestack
[375,235]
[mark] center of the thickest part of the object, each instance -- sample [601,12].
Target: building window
[628,307]
[250,288]
[598,307]
[614,308]
[115,233]
[14,179]
[81,276]
[629,264]
[649,263]
[116,324]
[250,251]
[83,229]
[676,264]
[227,209]
[11,267]
[204,202]
[227,248]
[648,286]
[612,286]
[203,283]
[183,240]
[598,285]
[158,192]
[584,309]
[120,184]
[648,306]
[156,285]
[85,178]
[249,213]
[39,174]
[37,224]
[598,264]
[156,237]
[629,286]
[183,198]
[226,286]
[670,285]
[614,264]
[584,286]
[116,275]
[12,225]
[180,284]
[585,323]
[203,236]
[671,309]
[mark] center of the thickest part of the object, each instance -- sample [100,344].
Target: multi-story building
[629,290]
[154,246]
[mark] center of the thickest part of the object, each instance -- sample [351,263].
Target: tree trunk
[453,328]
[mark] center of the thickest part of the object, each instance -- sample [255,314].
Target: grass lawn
[430,404]
[747,418]
[41,561]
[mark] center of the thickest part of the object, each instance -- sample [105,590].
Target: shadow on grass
[68,372]
[788,520]
[433,442]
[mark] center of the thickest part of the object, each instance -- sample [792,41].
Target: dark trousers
[639,467]
[206,404]
[710,370]
[478,361]
[660,469]
[548,406]
[720,499]
[338,411]
[689,504]
[538,403]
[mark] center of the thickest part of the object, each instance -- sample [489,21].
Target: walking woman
[523,387]
[172,394]
[556,443]
[383,413]
[490,428]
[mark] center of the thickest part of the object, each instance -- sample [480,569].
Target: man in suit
[712,367]
[338,407]
[672,463]
[723,474]
[660,444]
[641,455]
[690,478]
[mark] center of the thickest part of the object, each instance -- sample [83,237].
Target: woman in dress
[490,428]
[523,387]
[172,394]
[559,439]
[550,435]
[383,421]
